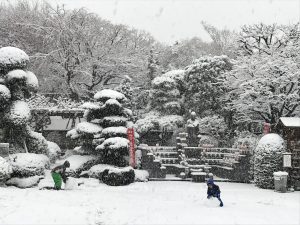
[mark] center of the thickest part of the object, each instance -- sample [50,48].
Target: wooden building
[290,127]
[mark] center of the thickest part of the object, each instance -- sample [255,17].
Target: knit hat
[210,181]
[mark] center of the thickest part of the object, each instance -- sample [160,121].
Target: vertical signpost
[130,134]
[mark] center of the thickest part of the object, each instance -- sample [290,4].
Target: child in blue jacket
[213,191]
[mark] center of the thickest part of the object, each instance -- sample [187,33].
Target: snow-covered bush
[267,160]
[24,182]
[97,170]
[79,163]
[5,170]
[53,151]
[118,176]
[16,87]
[12,58]
[28,164]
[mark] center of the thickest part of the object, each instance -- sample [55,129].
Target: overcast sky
[171,20]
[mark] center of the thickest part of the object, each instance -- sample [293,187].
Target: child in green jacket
[59,174]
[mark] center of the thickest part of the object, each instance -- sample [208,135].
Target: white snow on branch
[90,128]
[109,94]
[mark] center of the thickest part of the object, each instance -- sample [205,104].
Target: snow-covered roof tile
[290,121]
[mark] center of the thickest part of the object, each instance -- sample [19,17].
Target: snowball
[19,113]
[90,128]
[11,57]
[28,164]
[109,94]
[5,169]
[114,143]
[141,175]
[90,105]
[31,81]
[25,182]
[16,75]
[54,151]
[4,95]
[71,184]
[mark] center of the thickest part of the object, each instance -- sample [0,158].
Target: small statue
[192,127]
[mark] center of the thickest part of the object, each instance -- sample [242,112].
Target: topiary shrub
[53,151]
[117,176]
[267,160]
[28,164]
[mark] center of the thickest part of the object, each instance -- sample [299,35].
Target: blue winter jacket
[214,191]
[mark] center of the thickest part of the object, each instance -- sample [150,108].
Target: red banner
[130,134]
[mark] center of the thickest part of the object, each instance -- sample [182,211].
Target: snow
[90,105]
[114,130]
[114,143]
[53,151]
[109,94]
[19,112]
[5,169]
[270,142]
[280,173]
[115,119]
[28,163]
[16,75]
[25,182]
[112,102]
[166,81]
[166,202]
[73,134]
[95,171]
[141,175]
[4,92]
[90,128]
[9,56]
[77,161]
[118,170]
[31,81]
[290,121]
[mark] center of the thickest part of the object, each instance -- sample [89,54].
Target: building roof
[290,121]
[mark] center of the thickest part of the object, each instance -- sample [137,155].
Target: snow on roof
[108,93]
[90,128]
[90,105]
[114,143]
[10,56]
[280,173]
[290,121]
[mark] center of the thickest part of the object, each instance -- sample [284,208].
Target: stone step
[169,160]
[167,154]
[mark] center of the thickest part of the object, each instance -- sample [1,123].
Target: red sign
[267,128]
[130,134]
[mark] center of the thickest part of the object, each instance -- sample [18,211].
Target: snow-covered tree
[204,81]
[104,133]
[16,85]
[267,160]
[264,87]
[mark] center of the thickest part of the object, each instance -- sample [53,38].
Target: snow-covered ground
[165,202]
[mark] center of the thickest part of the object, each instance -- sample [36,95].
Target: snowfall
[153,202]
